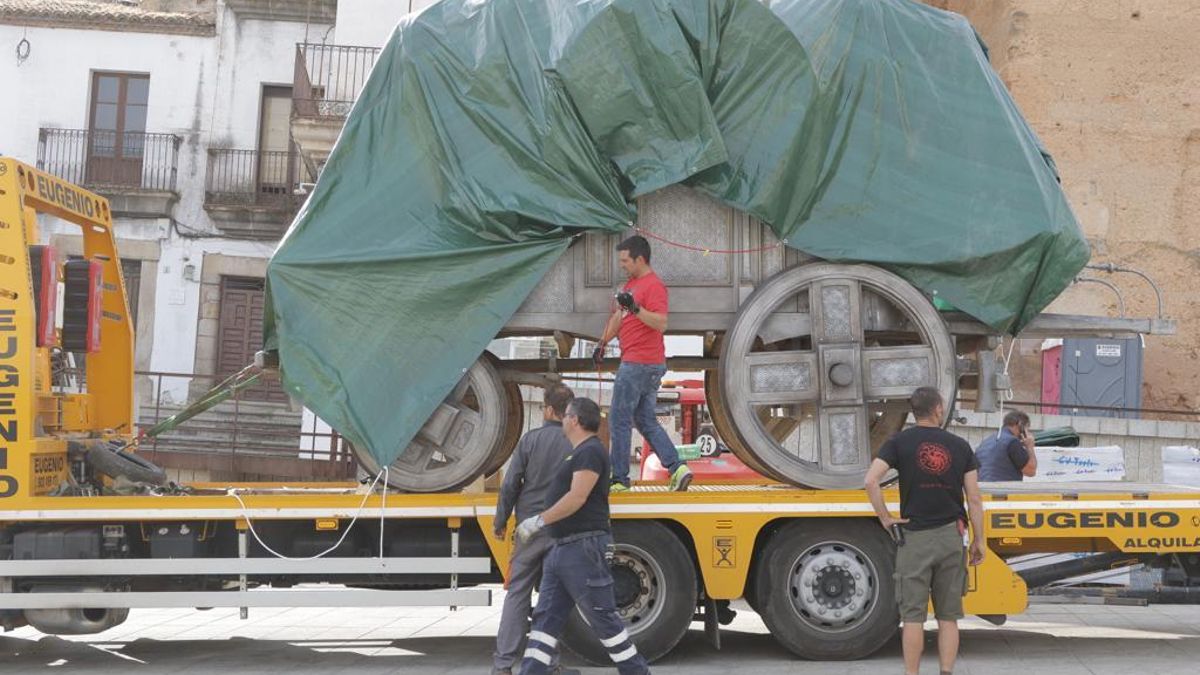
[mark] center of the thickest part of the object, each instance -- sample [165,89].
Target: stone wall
[1112,87]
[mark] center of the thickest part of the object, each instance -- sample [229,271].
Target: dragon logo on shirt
[933,458]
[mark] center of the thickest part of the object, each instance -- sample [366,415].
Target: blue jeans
[635,393]
[575,575]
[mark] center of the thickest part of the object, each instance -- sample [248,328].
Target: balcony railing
[328,78]
[254,178]
[238,439]
[105,159]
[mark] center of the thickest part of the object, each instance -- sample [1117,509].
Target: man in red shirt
[639,323]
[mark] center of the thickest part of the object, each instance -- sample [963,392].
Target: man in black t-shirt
[575,573]
[936,468]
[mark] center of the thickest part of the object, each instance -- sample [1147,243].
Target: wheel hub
[834,587]
[627,586]
[639,586]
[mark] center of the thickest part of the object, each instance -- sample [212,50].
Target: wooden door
[240,333]
[117,131]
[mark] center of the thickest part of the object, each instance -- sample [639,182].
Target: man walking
[576,573]
[936,468]
[530,472]
[1008,454]
[639,324]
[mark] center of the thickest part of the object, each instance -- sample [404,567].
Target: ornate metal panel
[683,215]
[556,291]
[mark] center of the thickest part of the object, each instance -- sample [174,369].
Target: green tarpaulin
[490,131]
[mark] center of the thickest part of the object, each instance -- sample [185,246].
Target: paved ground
[1046,640]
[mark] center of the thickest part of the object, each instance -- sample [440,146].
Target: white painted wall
[252,53]
[52,88]
[369,23]
[204,89]
[178,301]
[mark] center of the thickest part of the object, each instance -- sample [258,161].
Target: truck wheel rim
[833,586]
[639,587]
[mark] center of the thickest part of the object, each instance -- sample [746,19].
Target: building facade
[179,112]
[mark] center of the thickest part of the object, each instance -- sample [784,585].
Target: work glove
[598,355]
[528,528]
[625,300]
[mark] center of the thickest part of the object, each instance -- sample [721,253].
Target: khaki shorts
[931,562]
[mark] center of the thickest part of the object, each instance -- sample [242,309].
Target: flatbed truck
[81,543]
[814,563]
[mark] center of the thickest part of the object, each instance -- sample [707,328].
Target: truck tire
[124,464]
[654,581]
[825,588]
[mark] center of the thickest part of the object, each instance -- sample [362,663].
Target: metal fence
[106,159]
[254,178]
[238,439]
[328,78]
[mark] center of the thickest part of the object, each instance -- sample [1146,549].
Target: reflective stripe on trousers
[575,575]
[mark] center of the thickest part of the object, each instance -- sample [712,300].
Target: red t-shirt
[641,343]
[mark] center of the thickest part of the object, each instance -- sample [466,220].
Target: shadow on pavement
[472,654]
[469,654]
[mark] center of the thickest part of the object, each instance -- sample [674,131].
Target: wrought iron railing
[328,78]
[268,178]
[238,439]
[107,159]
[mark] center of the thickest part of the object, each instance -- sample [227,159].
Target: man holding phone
[1008,454]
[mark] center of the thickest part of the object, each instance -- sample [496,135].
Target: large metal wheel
[514,426]
[725,428]
[459,441]
[816,372]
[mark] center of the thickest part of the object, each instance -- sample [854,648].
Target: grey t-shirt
[530,473]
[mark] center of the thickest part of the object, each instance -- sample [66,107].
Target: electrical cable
[198,233]
[1007,394]
[233,492]
[705,250]
[382,509]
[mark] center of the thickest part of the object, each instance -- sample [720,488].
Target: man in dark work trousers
[576,574]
